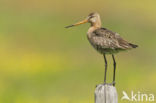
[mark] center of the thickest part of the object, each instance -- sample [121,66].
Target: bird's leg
[105,68]
[114,63]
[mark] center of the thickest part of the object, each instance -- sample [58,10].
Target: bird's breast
[90,31]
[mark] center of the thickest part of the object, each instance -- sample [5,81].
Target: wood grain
[106,93]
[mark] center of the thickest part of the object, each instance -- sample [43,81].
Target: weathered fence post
[106,93]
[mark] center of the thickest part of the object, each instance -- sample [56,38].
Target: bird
[104,40]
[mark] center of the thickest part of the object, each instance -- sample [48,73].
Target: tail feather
[133,45]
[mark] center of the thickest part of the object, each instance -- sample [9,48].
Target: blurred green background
[42,62]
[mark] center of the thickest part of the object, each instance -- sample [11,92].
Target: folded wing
[105,38]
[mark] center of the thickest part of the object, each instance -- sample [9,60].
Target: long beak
[81,22]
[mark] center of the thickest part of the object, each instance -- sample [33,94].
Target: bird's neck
[93,27]
[96,24]
[90,30]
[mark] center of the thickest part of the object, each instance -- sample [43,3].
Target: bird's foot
[113,83]
[104,83]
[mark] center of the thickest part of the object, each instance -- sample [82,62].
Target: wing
[107,39]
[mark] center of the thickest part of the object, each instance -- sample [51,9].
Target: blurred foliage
[42,62]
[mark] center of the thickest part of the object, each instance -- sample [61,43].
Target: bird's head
[93,18]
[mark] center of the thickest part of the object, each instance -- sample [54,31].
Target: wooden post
[106,93]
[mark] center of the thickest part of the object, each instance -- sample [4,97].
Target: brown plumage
[104,41]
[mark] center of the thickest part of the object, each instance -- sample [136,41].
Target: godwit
[104,41]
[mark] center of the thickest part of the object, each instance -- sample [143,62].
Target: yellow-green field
[42,62]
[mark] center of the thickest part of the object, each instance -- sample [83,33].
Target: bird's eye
[92,16]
